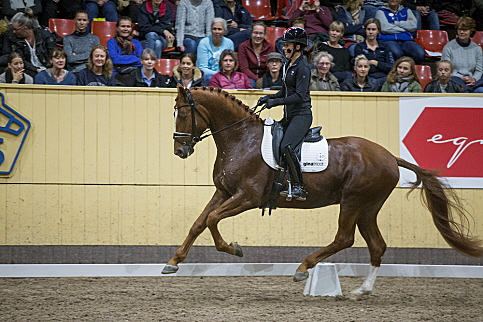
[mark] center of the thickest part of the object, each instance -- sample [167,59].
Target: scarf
[9,77]
[126,44]
[463,44]
[401,86]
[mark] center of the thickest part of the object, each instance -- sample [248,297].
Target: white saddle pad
[315,155]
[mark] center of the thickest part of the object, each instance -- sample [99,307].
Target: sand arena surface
[274,298]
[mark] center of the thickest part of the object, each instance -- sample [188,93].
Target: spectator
[146,75]
[101,8]
[402,78]
[272,79]
[466,56]
[253,53]
[371,7]
[98,71]
[360,82]
[397,25]
[443,82]
[321,78]
[342,66]
[78,45]
[11,7]
[423,11]
[56,74]
[14,74]
[352,15]
[381,60]
[155,25]
[318,18]
[186,73]
[193,23]
[63,9]
[228,77]
[130,8]
[210,49]
[238,19]
[125,51]
[33,44]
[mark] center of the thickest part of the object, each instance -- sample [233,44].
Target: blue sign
[14,129]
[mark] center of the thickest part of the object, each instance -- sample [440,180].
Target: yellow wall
[99,169]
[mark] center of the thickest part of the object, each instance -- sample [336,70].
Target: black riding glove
[271,103]
[262,100]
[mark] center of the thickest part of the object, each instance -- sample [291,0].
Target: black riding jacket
[295,93]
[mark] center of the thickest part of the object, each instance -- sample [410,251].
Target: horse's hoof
[169,269]
[237,249]
[300,276]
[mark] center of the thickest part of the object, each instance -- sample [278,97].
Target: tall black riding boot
[297,190]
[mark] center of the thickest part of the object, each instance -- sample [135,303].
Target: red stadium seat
[105,30]
[282,4]
[260,9]
[432,41]
[478,38]
[273,33]
[165,66]
[61,27]
[424,75]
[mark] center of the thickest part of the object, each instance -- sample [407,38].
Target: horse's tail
[444,204]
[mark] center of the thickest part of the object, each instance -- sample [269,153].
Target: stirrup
[298,193]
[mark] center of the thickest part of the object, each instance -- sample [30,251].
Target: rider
[295,96]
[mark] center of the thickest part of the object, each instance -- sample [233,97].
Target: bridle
[194,136]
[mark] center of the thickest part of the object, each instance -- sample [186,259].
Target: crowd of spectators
[360,45]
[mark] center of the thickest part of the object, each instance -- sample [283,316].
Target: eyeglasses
[258,33]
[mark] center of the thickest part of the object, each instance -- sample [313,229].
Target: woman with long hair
[14,73]
[56,74]
[186,73]
[360,82]
[98,71]
[402,78]
[228,77]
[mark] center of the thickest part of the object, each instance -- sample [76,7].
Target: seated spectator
[272,79]
[423,11]
[78,45]
[98,71]
[14,74]
[125,51]
[360,82]
[228,77]
[318,18]
[237,17]
[33,44]
[321,78]
[342,58]
[56,74]
[402,78]
[193,23]
[155,25]
[210,49]
[466,57]
[101,9]
[186,73]
[381,60]
[443,82]
[11,7]
[129,8]
[61,9]
[352,15]
[397,25]
[146,75]
[253,53]
[371,7]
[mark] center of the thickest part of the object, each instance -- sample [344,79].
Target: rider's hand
[271,103]
[262,100]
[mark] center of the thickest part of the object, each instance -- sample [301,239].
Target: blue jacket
[396,26]
[384,57]
[242,17]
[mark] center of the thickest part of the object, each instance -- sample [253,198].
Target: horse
[360,177]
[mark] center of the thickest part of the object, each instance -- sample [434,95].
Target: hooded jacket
[148,22]
[197,77]
[251,65]
[350,85]
[136,79]
[396,26]
[242,17]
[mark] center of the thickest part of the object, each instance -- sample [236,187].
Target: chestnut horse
[360,177]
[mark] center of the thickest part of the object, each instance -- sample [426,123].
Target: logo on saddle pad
[13,133]
[314,155]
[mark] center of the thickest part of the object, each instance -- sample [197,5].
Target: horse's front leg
[196,229]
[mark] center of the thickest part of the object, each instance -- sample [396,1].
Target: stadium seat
[105,30]
[424,75]
[432,41]
[273,33]
[282,4]
[478,38]
[259,9]
[61,27]
[165,66]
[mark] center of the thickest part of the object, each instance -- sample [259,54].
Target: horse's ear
[182,93]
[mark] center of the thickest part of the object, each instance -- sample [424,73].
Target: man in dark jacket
[237,17]
[154,21]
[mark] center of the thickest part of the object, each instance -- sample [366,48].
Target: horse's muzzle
[184,151]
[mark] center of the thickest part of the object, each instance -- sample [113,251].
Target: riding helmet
[295,35]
